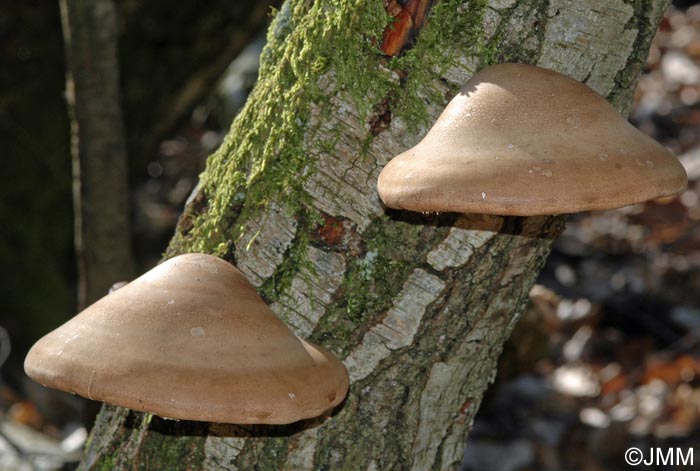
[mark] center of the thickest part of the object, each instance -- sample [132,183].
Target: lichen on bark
[418,306]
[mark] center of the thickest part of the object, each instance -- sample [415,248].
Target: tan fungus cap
[191,339]
[523,140]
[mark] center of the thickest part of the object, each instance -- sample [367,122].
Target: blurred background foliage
[607,354]
[35,177]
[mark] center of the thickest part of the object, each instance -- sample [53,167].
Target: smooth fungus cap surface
[191,339]
[523,140]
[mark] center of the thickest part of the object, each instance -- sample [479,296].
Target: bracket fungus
[521,140]
[191,339]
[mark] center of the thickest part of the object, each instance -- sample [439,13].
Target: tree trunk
[98,149]
[417,306]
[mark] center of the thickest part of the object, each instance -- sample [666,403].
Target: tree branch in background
[100,191]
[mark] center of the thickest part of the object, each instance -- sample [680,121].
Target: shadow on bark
[189,428]
[510,225]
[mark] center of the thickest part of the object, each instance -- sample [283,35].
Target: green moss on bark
[264,156]
[266,457]
[394,247]
[622,92]
[180,444]
[295,259]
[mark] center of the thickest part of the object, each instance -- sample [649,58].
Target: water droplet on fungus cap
[226,358]
[572,137]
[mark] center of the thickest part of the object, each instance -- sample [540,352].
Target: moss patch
[178,443]
[302,69]
[372,280]
[263,155]
[268,456]
[626,79]
[107,464]
[451,27]
[503,47]
[295,259]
